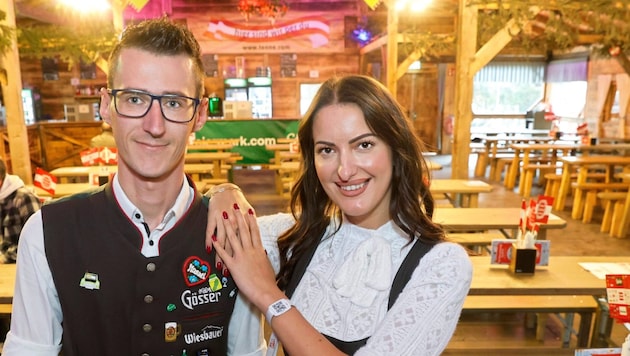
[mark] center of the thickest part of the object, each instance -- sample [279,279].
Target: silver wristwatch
[277,308]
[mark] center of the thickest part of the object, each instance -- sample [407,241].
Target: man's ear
[202,115]
[104,108]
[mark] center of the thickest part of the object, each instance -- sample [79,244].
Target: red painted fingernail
[225,215]
[236,207]
[209,248]
[226,273]
[214,237]
[219,265]
[250,211]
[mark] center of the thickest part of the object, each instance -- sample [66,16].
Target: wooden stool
[613,208]
[552,184]
[529,173]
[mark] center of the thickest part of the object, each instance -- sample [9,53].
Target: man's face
[150,146]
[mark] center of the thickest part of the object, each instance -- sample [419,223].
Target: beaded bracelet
[220,189]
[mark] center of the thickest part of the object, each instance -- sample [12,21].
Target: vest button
[148,298]
[151,267]
[147,328]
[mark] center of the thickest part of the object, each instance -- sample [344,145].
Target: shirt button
[148,298]
[147,328]
[151,267]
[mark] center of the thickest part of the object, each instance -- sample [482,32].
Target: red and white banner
[45,181]
[99,155]
[315,28]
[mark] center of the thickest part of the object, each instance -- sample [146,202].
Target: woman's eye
[366,144]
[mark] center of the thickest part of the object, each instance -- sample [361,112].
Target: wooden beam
[491,48]
[625,63]
[12,92]
[465,54]
[392,50]
[402,68]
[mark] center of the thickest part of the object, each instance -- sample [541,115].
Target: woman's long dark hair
[411,206]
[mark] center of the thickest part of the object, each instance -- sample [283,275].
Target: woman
[347,255]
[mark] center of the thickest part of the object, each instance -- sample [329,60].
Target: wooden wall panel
[418,94]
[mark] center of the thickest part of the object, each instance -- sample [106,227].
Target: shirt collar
[182,203]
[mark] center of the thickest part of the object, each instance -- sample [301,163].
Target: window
[508,88]
[566,86]
[307,93]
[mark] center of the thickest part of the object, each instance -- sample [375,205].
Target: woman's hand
[223,200]
[248,263]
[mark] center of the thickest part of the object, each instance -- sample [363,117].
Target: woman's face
[353,165]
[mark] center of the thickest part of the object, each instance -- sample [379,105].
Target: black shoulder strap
[300,268]
[406,269]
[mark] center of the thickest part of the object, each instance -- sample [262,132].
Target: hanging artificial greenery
[559,24]
[82,38]
[65,43]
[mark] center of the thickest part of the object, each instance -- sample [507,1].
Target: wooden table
[493,144]
[563,276]
[524,152]
[79,173]
[7,282]
[481,219]
[218,160]
[571,164]
[460,192]
[63,189]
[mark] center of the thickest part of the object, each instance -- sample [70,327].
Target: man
[105,138]
[17,204]
[123,269]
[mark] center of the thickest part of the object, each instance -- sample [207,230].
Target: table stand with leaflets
[618,297]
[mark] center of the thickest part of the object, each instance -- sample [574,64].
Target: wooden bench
[5,310]
[529,172]
[586,197]
[477,241]
[584,306]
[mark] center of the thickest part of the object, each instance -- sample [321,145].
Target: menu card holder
[523,260]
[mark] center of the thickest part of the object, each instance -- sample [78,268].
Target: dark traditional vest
[403,275]
[117,302]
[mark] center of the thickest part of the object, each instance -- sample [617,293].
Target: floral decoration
[271,9]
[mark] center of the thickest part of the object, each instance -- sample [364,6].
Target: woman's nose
[347,167]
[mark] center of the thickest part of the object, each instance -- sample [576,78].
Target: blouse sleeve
[425,315]
[271,227]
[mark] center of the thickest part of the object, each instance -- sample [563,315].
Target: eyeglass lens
[136,104]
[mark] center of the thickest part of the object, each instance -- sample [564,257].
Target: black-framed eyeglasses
[133,103]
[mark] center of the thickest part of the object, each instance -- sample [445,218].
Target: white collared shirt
[182,203]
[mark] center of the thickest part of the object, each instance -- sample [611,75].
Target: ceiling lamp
[413,5]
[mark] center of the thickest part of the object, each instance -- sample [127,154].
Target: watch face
[279,307]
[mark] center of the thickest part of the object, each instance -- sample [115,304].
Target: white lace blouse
[345,289]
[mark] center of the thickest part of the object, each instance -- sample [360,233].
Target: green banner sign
[253,135]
